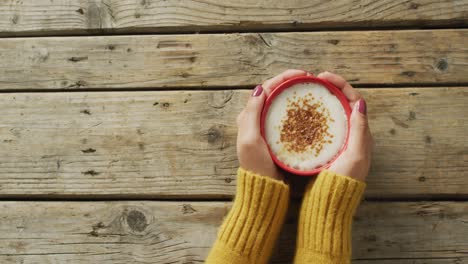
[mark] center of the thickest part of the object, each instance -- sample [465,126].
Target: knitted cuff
[324,231]
[251,228]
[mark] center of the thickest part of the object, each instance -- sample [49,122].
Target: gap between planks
[462,25]
[222,88]
[152,198]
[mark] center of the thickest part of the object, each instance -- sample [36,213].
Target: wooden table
[117,132]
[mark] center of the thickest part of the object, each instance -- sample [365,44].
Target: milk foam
[277,112]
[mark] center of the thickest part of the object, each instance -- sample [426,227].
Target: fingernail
[362,106]
[257,91]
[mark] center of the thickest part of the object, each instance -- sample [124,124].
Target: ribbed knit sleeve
[250,230]
[324,231]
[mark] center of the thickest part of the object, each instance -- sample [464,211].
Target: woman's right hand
[252,149]
[355,160]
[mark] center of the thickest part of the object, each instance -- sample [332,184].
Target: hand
[355,160]
[252,149]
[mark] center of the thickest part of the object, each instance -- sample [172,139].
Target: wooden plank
[233,60]
[183,232]
[43,17]
[181,144]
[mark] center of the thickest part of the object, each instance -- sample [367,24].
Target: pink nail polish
[362,106]
[257,91]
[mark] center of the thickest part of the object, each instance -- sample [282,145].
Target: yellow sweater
[251,228]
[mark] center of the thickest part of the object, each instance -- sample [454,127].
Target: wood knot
[86,112]
[110,47]
[80,83]
[442,65]
[214,134]
[40,56]
[15,19]
[88,150]
[144,3]
[77,84]
[162,105]
[77,59]
[428,139]
[333,41]
[91,173]
[80,11]
[408,73]
[188,209]
[136,220]
[96,228]
[411,115]
[398,122]
[228,180]
[422,179]
[141,146]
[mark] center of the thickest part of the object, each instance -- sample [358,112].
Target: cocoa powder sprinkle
[305,126]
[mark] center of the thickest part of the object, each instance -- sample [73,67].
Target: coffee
[305,126]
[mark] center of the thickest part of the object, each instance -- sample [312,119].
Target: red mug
[285,85]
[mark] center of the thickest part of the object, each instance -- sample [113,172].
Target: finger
[352,94]
[359,134]
[270,84]
[249,124]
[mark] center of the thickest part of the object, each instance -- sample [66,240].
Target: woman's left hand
[355,160]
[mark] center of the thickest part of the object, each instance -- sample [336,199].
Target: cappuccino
[305,126]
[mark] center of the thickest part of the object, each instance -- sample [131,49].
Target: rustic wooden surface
[232,60]
[44,17]
[182,232]
[182,144]
[106,101]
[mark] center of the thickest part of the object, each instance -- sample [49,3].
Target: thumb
[359,129]
[250,122]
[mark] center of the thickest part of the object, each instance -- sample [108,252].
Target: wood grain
[233,60]
[183,232]
[65,17]
[181,144]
